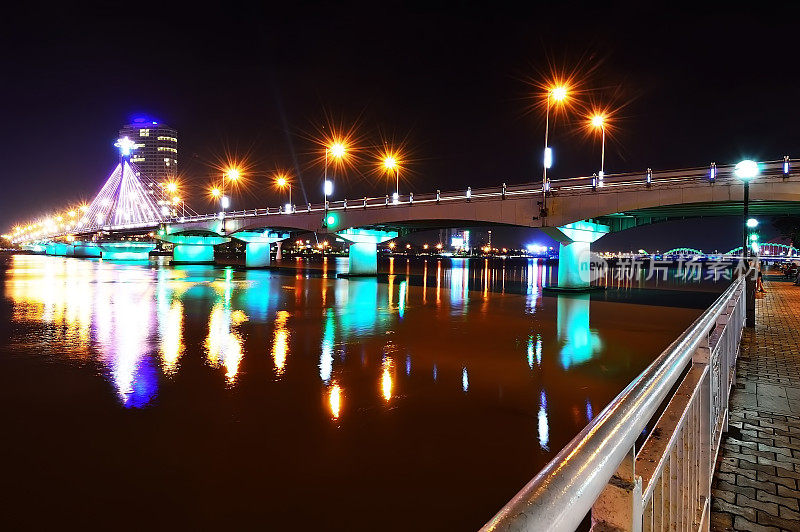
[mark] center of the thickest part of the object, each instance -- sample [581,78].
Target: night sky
[454,83]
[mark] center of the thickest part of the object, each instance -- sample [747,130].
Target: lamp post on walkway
[745,171]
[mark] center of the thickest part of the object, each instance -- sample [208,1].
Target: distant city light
[536,248]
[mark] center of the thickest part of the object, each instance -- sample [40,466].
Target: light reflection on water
[436,363]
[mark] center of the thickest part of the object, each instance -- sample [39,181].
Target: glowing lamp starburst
[233,174]
[559,93]
[281,181]
[390,162]
[598,120]
[338,150]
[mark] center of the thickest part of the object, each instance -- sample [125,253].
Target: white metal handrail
[596,471]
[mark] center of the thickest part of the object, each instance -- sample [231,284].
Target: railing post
[708,422]
[619,506]
[750,293]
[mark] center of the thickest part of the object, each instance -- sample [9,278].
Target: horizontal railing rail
[597,470]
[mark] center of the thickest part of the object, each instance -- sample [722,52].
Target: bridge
[131,213]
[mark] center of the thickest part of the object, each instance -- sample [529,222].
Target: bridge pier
[126,250]
[86,249]
[574,253]
[193,249]
[363,254]
[258,245]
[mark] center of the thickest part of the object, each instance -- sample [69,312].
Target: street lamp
[338,151]
[745,171]
[558,94]
[599,122]
[281,181]
[231,174]
[391,165]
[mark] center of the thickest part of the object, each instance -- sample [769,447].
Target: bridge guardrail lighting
[746,169]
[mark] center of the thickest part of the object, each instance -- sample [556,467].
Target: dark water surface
[142,395]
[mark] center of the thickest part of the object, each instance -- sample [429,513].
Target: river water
[147,395]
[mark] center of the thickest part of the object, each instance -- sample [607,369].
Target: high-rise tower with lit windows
[156,152]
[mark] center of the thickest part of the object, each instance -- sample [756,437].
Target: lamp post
[599,122]
[391,165]
[233,175]
[558,94]
[338,150]
[745,171]
[281,181]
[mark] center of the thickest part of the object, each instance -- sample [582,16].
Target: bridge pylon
[574,253]
[363,254]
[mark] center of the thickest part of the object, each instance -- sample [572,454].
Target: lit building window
[144,132]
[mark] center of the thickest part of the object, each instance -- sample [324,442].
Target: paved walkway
[757,482]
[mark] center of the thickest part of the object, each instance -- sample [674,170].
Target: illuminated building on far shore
[156,152]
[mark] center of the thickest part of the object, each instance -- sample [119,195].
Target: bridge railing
[573,185]
[666,485]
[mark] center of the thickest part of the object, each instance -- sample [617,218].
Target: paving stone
[771,520]
[786,513]
[745,501]
[721,521]
[783,491]
[725,495]
[723,506]
[789,502]
[743,524]
[760,485]
[744,490]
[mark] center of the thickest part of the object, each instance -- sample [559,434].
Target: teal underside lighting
[363,259]
[126,250]
[193,253]
[257,254]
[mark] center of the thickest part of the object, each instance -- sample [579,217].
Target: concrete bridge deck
[757,480]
